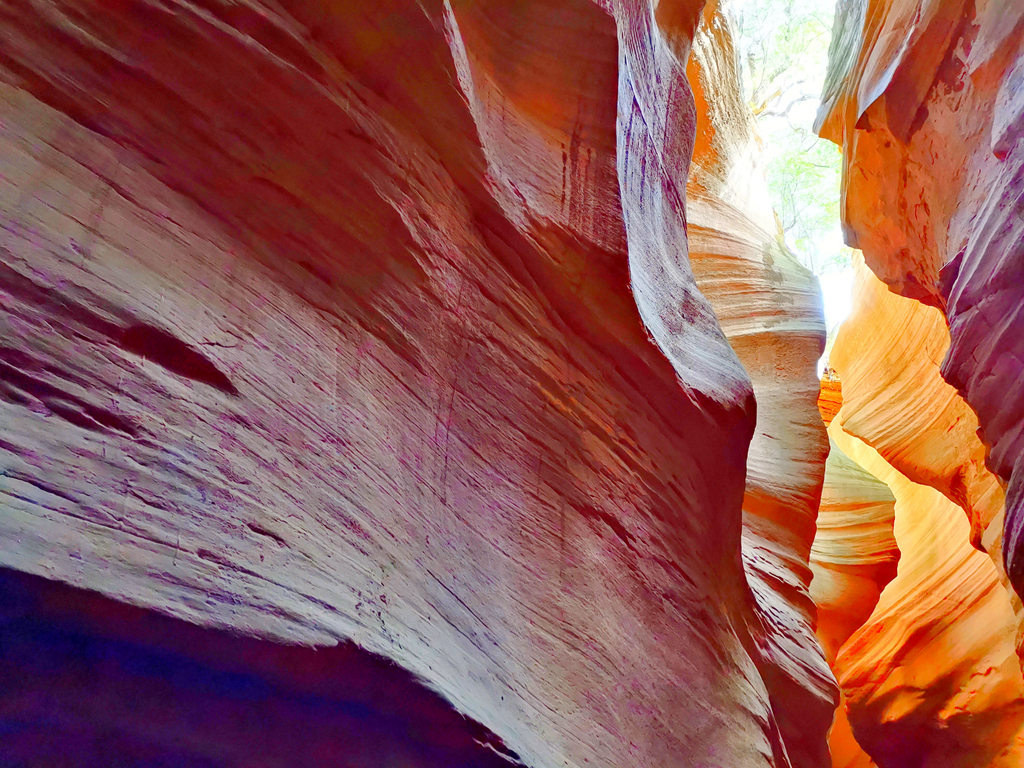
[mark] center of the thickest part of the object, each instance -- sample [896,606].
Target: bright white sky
[836,290]
[783,50]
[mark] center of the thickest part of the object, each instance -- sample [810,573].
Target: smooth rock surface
[853,558]
[770,310]
[930,678]
[854,554]
[888,354]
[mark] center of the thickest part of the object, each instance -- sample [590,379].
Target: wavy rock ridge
[923,98]
[930,677]
[770,310]
[382,383]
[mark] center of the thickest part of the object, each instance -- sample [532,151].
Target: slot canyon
[401,384]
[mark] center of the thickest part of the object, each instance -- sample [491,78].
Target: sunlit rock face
[854,554]
[853,558]
[926,98]
[317,327]
[930,677]
[896,399]
[770,310]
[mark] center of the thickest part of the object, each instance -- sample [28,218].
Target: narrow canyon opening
[908,551]
[512,382]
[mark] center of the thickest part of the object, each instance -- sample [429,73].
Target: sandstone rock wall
[930,677]
[924,96]
[318,326]
[95,682]
[853,558]
[770,310]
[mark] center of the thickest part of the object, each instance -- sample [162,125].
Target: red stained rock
[318,327]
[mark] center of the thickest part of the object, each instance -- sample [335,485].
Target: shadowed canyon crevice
[430,384]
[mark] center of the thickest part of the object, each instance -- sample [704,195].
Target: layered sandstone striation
[930,677]
[925,98]
[896,400]
[317,328]
[855,553]
[769,307]
[853,558]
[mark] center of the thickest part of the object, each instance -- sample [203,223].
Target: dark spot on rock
[170,352]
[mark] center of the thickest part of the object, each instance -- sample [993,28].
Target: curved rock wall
[925,98]
[317,328]
[930,678]
[853,558]
[770,310]
[897,401]
[855,553]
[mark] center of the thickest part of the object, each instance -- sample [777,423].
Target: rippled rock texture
[318,327]
[769,307]
[927,668]
[926,97]
[853,558]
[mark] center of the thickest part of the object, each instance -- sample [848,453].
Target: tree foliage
[783,50]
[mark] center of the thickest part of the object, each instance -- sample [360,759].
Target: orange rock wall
[855,553]
[853,558]
[930,678]
[770,310]
[924,96]
[898,402]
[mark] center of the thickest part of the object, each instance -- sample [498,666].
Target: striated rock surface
[897,401]
[930,678]
[853,558]
[770,310]
[854,554]
[91,681]
[925,97]
[317,327]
